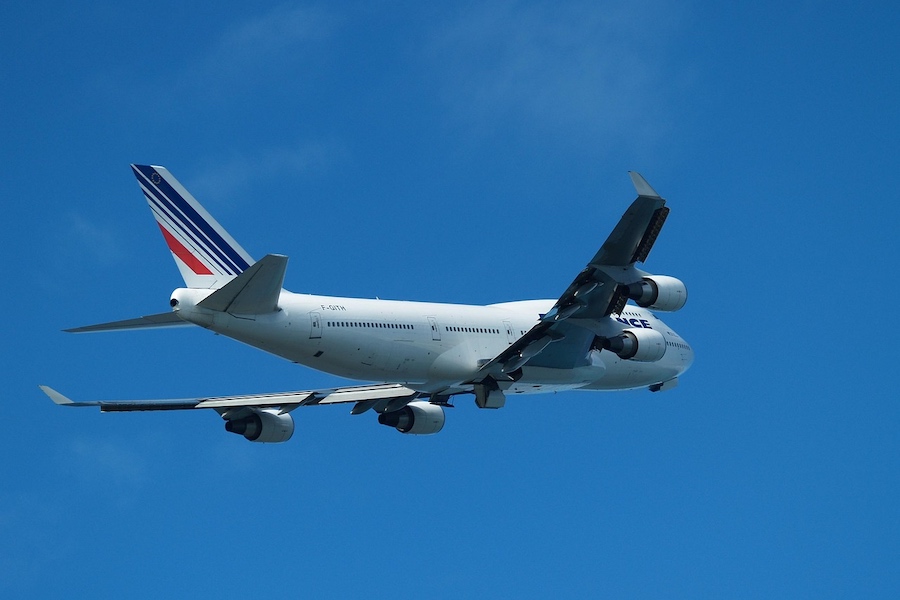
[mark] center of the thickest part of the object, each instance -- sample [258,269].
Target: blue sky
[477,153]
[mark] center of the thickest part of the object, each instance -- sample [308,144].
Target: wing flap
[621,247]
[650,234]
[281,399]
[387,391]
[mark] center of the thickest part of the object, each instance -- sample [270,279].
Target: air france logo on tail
[205,254]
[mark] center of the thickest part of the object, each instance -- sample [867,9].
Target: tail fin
[206,255]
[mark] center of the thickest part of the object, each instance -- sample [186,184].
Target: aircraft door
[510,336]
[435,331]
[315,326]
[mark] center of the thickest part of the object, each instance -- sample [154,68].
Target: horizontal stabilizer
[255,291]
[167,319]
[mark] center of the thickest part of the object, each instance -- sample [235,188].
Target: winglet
[640,184]
[55,396]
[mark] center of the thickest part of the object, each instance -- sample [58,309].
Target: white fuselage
[433,348]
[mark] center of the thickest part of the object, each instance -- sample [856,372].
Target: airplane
[422,355]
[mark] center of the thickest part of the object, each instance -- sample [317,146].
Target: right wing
[597,292]
[381,397]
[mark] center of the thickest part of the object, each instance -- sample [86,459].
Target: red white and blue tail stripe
[205,254]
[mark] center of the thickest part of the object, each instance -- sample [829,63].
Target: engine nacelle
[420,418]
[659,292]
[263,425]
[642,345]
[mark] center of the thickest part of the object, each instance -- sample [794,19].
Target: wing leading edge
[381,397]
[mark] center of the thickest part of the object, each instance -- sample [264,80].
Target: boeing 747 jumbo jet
[423,354]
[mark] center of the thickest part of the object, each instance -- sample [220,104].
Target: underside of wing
[265,417]
[601,289]
[633,237]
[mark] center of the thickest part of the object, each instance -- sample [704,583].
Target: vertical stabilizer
[206,255]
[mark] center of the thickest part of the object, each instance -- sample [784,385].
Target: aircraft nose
[688,356]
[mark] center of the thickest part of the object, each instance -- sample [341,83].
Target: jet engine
[659,292]
[642,345]
[263,425]
[420,418]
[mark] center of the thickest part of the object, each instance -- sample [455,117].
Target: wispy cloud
[110,461]
[277,30]
[579,66]
[98,241]
[254,48]
[232,176]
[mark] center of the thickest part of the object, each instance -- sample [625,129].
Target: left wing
[381,397]
[601,289]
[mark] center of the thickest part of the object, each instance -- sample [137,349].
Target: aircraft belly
[368,359]
[455,363]
[272,332]
[577,376]
[629,374]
